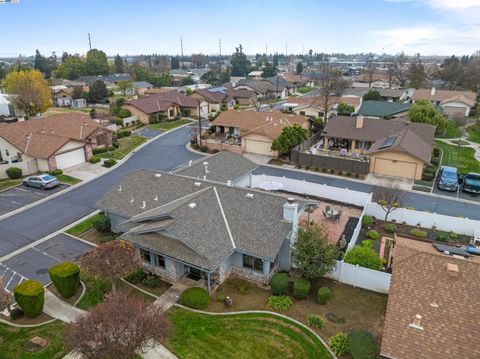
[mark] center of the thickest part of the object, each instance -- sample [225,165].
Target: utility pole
[181,47]
[286,53]
[266,50]
[89,41]
[220,46]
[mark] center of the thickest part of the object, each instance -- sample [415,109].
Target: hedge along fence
[65,277]
[30,296]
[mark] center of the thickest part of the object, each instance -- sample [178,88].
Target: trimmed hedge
[102,223]
[14,172]
[197,298]
[97,151]
[279,283]
[373,234]
[29,295]
[109,163]
[415,232]
[367,221]
[65,277]
[323,295]
[362,345]
[94,159]
[301,288]
[56,172]
[389,228]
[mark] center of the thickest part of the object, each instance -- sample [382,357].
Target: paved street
[39,221]
[421,202]
[16,197]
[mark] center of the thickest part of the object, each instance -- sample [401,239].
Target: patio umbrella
[271,186]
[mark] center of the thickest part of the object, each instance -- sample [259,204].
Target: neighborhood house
[454,104]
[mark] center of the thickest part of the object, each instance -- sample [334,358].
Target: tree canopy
[344,109]
[312,254]
[372,95]
[290,137]
[98,92]
[239,62]
[32,94]
[423,111]
[215,78]
[119,64]
[269,70]
[97,63]
[73,66]
[299,67]
[416,72]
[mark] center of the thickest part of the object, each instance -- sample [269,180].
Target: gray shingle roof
[222,219]
[222,167]
[382,108]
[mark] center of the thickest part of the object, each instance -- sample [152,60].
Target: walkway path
[468,143]
[59,309]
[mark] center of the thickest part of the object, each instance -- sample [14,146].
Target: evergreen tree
[240,64]
[119,65]
[299,67]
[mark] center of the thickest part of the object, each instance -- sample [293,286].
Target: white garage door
[389,167]
[260,147]
[204,111]
[70,158]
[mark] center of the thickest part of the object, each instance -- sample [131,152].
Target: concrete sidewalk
[59,309]
[86,171]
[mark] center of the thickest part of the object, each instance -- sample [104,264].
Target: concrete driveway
[17,197]
[85,171]
[389,181]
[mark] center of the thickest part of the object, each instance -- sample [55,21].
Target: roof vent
[131,200]
[144,205]
[452,270]
[192,205]
[197,184]
[156,198]
[434,304]
[120,188]
[158,175]
[416,322]
[229,183]
[249,195]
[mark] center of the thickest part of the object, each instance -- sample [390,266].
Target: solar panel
[451,250]
[388,142]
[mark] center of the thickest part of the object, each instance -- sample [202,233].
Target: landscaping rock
[334,318]
[35,344]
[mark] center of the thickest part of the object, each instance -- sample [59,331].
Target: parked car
[41,181]
[471,183]
[448,178]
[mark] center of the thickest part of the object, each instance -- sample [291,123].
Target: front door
[193,273]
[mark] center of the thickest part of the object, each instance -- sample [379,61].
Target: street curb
[71,188]
[190,149]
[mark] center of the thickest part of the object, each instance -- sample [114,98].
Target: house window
[7,153]
[145,255]
[362,145]
[253,263]
[170,113]
[301,112]
[160,261]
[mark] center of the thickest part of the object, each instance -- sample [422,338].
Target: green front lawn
[462,158]
[82,227]
[68,179]
[305,89]
[451,131]
[9,183]
[169,125]
[13,341]
[474,133]
[96,288]
[127,145]
[240,336]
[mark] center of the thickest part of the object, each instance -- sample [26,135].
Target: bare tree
[119,327]
[391,71]
[389,198]
[331,84]
[112,260]
[401,68]
[370,70]
[5,297]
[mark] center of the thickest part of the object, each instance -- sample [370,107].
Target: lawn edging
[120,163]
[140,289]
[303,326]
[6,322]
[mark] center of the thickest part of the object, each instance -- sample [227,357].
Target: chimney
[452,270]
[359,121]
[432,91]
[290,211]
[417,322]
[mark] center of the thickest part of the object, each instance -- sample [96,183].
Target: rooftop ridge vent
[158,175]
[250,195]
[416,322]
[192,205]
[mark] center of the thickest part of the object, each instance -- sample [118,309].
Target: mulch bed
[72,300]
[42,318]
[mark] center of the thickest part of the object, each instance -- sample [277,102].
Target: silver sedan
[43,181]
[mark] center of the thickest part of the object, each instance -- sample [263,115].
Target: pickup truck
[471,183]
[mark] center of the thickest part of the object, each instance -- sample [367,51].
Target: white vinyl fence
[314,189]
[426,219]
[27,167]
[361,277]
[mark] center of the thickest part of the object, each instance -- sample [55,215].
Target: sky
[430,27]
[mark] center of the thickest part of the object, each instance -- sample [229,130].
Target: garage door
[454,112]
[70,158]
[204,111]
[389,167]
[260,147]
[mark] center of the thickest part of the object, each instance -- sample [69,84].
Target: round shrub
[441,236]
[102,223]
[196,298]
[415,232]
[373,234]
[367,221]
[279,283]
[389,228]
[452,235]
[339,344]
[362,345]
[124,113]
[323,295]
[364,255]
[29,296]
[279,302]
[94,159]
[301,288]
[315,321]
[56,172]
[14,172]
[119,122]
[137,276]
[109,163]
[65,277]
[152,282]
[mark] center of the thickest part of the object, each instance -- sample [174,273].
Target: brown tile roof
[316,101]
[241,93]
[467,97]
[449,305]
[413,138]
[256,122]
[376,77]
[162,102]
[213,97]
[157,90]
[43,137]
[295,78]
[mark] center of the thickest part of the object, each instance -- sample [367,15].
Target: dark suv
[471,183]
